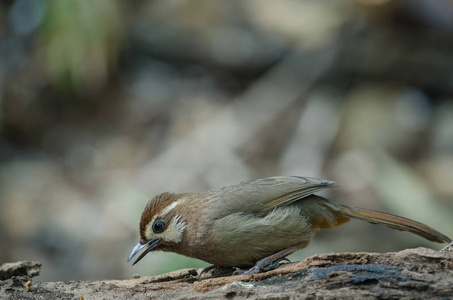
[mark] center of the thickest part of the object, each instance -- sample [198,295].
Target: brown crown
[152,208]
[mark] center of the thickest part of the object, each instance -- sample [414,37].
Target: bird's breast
[241,239]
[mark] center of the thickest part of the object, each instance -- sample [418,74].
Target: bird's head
[160,225]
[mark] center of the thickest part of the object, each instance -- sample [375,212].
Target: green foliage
[80,42]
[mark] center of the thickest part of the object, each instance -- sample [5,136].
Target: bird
[253,225]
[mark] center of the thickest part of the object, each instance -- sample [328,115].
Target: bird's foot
[276,264]
[215,270]
[268,263]
[207,269]
[257,269]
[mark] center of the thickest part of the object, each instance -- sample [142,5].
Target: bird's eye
[159,226]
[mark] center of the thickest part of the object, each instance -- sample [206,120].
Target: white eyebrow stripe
[166,210]
[169,208]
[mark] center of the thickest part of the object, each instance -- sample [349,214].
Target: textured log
[409,274]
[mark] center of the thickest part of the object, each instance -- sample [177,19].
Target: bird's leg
[268,263]
[214,268]
[207,269]
[275,264]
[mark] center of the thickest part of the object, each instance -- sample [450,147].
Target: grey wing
[261,196]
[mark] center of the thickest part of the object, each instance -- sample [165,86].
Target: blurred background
[104,104]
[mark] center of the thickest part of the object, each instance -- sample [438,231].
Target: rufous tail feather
[395,222]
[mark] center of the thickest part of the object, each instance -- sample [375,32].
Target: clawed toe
[253,270]
[259,268]
[216,271]
[276,264]
[208,269]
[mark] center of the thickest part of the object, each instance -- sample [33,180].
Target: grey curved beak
[150,245]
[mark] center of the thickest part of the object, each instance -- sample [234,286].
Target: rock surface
[409,274]
[20,268]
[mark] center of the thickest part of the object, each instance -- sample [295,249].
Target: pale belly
[253,238]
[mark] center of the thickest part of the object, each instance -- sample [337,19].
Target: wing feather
[261,196]
[289,189]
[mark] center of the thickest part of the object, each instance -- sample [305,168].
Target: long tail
[393,221]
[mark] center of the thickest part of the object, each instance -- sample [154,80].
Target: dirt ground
[409,274]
